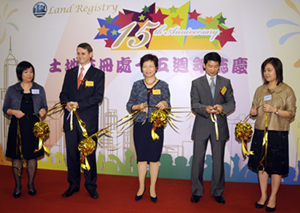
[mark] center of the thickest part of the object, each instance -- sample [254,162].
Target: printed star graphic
[194,15]
[136,16]
[183,17]
[109,42]
[173,9]
[123,20]
[146,9]
[103,30]
[114,32]
[142,17]
[177,20]
[209,19]
[111,27]
[225,36]
[108,19]
[141,24]
[222,20]
[158,17]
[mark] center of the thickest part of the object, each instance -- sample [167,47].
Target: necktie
[212,86]
[80,77]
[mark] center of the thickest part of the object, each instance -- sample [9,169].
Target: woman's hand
[42,112]
[162,105]
[18,113]
[253,111]
[143,107]
[268,108]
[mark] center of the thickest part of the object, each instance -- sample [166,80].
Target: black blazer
[88,96]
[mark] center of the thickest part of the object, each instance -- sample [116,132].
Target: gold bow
[244,132]
[41,131]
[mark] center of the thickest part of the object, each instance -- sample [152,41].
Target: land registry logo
[157,28]
[39,9]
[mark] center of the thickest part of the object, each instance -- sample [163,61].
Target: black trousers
[73,139]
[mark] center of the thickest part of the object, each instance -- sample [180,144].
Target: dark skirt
[277,152]
[28,141]
[147,149]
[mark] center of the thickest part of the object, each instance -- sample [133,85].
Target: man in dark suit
[212,99]
[83,88]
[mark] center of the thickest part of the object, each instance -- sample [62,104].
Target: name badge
[35,91]
[156,91]
[89,83]
[268,97]
[224,89]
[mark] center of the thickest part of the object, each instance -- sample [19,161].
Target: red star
[123,20]
[158,17]
[109,42]
[225,35]
[194,15]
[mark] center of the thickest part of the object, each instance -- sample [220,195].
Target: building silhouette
[10,64]
[109,144]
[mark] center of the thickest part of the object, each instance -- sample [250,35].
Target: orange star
[141,24]
[103,30]
[209,19]
[177,20]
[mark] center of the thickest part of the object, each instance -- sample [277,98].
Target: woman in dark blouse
[148,92]
[22,101]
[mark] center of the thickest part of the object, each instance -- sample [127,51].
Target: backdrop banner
[179,32]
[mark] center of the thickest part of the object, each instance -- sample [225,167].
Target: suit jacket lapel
[74,77]
[89,73]
[218,86]
[206,86]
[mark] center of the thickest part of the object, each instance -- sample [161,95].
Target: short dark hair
[21,67]
[86,46]
[276,63]
[149,57]
[212,56]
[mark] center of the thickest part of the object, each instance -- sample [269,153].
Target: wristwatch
[276,112]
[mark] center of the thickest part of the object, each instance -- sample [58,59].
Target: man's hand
[74,104]
[218,108]
[210,110]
